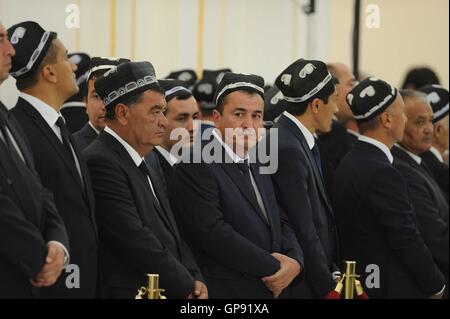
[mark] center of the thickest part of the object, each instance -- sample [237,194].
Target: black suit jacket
[75,116]
[29,219]
[161,166]
[301,193]
[430,206]
[85,136]
[224,225]
[440,171]
[338,142]
[74,200]
[137,237]
[378,226]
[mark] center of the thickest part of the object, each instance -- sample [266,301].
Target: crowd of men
[147,179]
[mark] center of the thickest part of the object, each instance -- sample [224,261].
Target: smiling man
[138,234]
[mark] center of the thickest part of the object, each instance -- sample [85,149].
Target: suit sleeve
[387,194]
[195,199]
[291,188]
[21,242]
[289,243]
[433,228]
[121,227]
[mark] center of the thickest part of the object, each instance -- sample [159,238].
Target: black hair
[300,108]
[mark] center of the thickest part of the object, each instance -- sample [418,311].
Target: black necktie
[65,136]
[145,171]
[4,132]
[245,170]
[316,154]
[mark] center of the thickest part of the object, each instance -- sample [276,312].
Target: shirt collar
[137,159]
[356,134]
[93,127]
[436,153]
[415,157]
[170,158]
[206,122]
[379,145]
[49,114]
[306,133]
[236,158]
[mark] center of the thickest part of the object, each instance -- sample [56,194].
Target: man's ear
[315,105]
[216,116]
[122,113]
[386,120]
[48,72]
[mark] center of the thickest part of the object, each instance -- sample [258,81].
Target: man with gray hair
[429,202]
[375,217]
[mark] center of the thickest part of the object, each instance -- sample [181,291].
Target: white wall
[412,33]
[249,36]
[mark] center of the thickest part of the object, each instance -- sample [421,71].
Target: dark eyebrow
[160,107]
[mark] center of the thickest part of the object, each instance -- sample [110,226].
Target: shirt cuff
[336,275]
[440,292]
[66,252]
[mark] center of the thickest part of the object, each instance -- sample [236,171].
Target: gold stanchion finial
[152,290]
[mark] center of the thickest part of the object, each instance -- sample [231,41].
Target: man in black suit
[227,209]
[138,233]
[311,96]
[45,81]
[94,105]
[434,158]
[344,132]
[182,111]
[377,223]
[427,198]
[33,239]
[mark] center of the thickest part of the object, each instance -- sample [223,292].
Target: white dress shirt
[306,133]
[137,159]
[379,145]
[436,153]
[415,157]
[50,116]
[237,159]
[170,158]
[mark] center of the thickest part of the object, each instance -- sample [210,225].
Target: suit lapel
[122,152]
[53,140]
[262,187]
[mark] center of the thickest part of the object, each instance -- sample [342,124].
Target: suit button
[9,181]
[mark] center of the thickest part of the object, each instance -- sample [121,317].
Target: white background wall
[249,36]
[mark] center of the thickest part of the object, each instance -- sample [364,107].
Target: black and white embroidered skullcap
[274,103]
[173,88]
[82,61]
[124,81]
[100,65]
[188,76]
[215,75]
[232,82]
[438,99]
[370,98]
[303,80]
[31,43]
[204,92]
